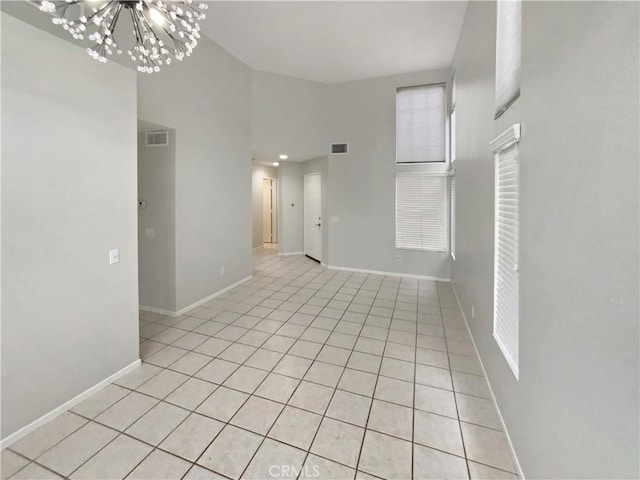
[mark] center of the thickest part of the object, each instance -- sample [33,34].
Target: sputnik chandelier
[163,29]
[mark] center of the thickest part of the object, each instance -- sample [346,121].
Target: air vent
[339,148]
[157,139]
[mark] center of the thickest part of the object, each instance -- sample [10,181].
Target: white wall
[574,411]
[258,174]
[309,116]
[157,253]
[206,99]
[69,319]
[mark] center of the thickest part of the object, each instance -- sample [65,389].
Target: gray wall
[211,112]
[362,184]
[69,319]
[309,116]
[258,174]
[574,411]
[288,116]
[157,254]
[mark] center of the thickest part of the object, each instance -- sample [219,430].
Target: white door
[313,216]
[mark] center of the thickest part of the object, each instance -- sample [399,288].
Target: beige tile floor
[300,372]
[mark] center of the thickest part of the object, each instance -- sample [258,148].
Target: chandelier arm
[107,6]
[136,27]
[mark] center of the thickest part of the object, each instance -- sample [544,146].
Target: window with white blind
[421,124]
[508,52]
[421,211]
[506,310]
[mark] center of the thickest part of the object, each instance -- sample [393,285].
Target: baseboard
[158,310]
[493,396]
[184,310]
[290,253]
[389,274]
[46,418]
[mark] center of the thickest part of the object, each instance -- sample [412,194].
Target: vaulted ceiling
[333,42]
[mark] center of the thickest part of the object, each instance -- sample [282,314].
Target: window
[452,139]
[420,124]
[506,310]
[508,49]
[421,211]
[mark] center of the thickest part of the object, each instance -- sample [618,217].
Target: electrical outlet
[398,258]
[222,271]
[473,311]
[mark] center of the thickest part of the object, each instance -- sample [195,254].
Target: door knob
[318,225]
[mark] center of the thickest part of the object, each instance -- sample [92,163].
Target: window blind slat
[420,124]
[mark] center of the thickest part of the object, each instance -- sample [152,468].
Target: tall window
[508,51]
[452,139]
[420,124]
[506,309]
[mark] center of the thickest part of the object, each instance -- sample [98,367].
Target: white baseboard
[46,418]
[158,310]
[493,396]
[389,274]
[184,310]
[290,253]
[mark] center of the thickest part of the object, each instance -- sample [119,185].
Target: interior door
[313,216]
[267,210]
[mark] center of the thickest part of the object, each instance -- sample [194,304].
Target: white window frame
[506,298]
[453,184]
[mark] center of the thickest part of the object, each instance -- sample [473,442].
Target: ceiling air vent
[157,139]
[339,148]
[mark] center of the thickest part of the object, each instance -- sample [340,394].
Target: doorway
[269,210]
[313,216]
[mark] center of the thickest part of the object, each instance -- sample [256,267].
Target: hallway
[299,372]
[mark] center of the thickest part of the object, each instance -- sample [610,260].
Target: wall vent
[157,139]
[339,148]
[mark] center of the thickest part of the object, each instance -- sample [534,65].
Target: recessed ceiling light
[283,157]
[275,164]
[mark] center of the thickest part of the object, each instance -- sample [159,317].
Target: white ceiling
[333,42]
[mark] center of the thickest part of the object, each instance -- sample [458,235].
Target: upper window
[508,46]
[421,124]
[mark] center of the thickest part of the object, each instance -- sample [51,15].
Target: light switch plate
[114,256]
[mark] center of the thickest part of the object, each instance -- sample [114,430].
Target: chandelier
[163,30]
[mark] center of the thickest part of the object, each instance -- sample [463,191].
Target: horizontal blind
[420,124]
[506,276]
[508,51]
[421,211]
[453,217]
